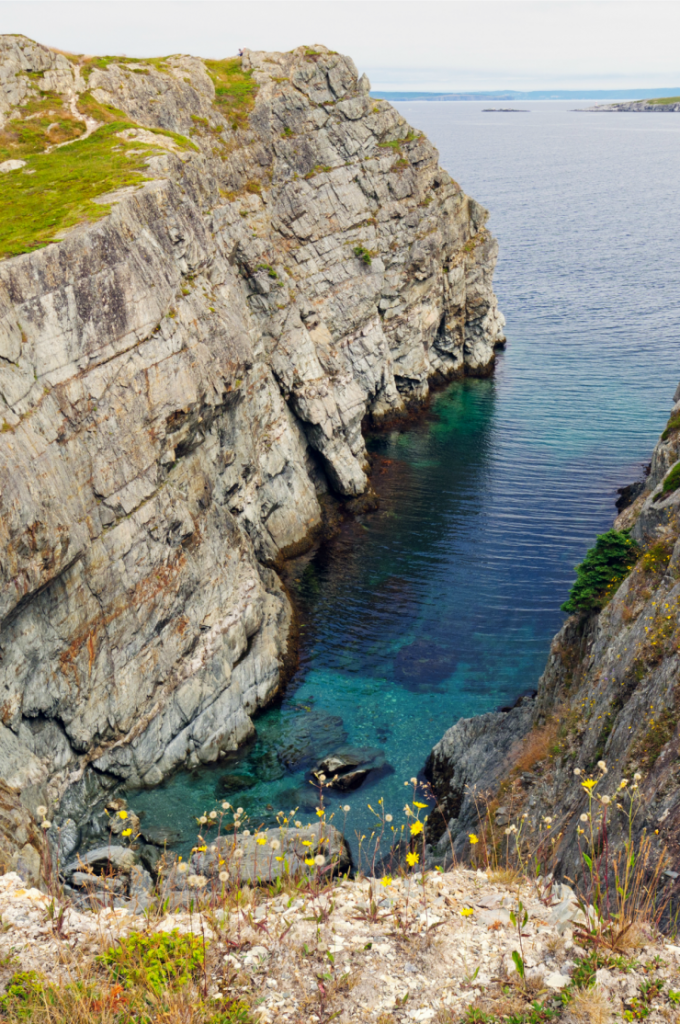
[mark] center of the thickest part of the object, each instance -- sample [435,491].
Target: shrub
[363,254]
[160,961]
[602,571]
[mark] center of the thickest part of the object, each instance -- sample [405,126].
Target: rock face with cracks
[183,378]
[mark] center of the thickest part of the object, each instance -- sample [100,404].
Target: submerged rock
[423,665]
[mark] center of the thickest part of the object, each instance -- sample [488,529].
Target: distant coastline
[660,105]
[508,95]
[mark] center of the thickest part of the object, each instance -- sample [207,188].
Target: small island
[504,110]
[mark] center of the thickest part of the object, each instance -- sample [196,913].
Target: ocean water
[443,603]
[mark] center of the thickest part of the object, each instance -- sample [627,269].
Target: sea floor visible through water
[443,602]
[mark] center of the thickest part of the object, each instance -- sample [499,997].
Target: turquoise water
[443,603]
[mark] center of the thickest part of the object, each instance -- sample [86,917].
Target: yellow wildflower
[320,812]
[467,912]
[126,832]
[309,861]
[416,828]
[416,804]
[473,838]
[122,814]
[261,840]
[386,880]
[412,858]
[589,784]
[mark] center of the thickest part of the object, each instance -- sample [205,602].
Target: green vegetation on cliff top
[57,190]
[602,571]
[235,89]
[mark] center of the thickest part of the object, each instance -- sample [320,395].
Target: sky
[430,45]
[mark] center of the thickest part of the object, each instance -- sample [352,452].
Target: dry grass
[536,746]
[505,876]
[591,1006]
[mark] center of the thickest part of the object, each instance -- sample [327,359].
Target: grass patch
[101,63]
[665,99]
[235,90]
[602,571]
[672,425]
[43,121]
[671,483]
[62,186]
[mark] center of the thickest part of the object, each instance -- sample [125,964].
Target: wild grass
[235,90]
[59,188]
[671,482]
[41,122]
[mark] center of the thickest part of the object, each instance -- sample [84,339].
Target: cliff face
[610,692]
[183,373]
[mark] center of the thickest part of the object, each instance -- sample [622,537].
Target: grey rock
[180,381]
[254,862]
[467,764]
[118,858]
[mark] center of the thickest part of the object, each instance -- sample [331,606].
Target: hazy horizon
[403,45]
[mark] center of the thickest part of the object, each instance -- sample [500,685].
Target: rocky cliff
[610,693]
[213,273]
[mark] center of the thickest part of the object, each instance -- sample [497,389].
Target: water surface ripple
[443,603]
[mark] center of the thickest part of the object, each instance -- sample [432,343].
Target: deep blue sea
[443,603]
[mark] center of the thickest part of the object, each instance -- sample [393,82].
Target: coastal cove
[442,604]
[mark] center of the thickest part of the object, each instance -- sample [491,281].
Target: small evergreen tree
[602,571]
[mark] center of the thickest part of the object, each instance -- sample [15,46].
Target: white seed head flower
[41,811]
[322,777]
[319,859]
[246,831]
[388,817]
[226,806]
[407,810]
[623,783]
[414,781]
[224,876]
[182,868]
[346,808]
[298,824]
[577,771]
[46,824]
[213,814]
[202,820]
[275,844]
[602,766]
[548,820]
[637,777]
[238,854]
[584,817]
[605,800]
[239,810]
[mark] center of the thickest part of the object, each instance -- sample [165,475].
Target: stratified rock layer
[181,380]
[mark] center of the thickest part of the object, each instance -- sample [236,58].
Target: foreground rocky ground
[388,950]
